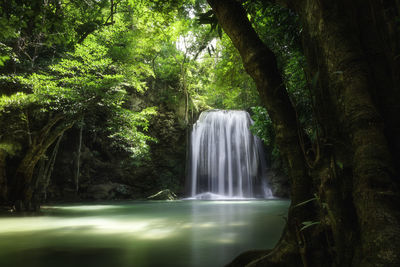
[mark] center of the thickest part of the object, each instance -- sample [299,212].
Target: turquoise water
[154,233]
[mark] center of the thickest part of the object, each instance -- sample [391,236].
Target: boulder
[101,191]
[123,191]
[165,194]
[279,183]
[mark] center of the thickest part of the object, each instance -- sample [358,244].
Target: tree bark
[78,158]
[356,179]
[3,177]
[23,187]
[260,63]
[45,171]
[334,32]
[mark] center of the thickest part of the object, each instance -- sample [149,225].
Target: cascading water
[226,159]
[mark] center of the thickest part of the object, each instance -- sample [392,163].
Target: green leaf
[339,164]
[308,224]
[305,202]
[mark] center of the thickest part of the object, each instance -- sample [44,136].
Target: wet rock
[100,191]
[123,191]
[165,194]
[279,183]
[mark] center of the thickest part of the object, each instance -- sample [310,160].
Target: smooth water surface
[156,233]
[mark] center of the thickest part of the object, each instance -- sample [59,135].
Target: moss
[10,148]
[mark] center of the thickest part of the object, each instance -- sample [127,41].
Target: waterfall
[226,159]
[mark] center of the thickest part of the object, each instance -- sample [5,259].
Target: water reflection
[184,233]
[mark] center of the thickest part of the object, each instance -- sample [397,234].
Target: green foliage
[279,28]
[80,82]
[36,31]
[88,81]
[262,126]
[10,148]
[16,100]
[88,59]
[127,131]
[5,52]
[227,85]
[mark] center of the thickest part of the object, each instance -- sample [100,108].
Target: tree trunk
[3,177]
[78,158]
[334,32]
[23,187]
[355,181]
[45,172]
[260,63]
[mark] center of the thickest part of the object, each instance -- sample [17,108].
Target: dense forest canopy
[116,85]
[85,64]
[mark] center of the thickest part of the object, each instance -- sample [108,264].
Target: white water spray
[226,159]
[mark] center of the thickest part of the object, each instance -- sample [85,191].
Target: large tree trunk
[23,186]
[356,182]
[334,43]
[260,63]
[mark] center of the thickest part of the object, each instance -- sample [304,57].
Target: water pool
[140,234]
